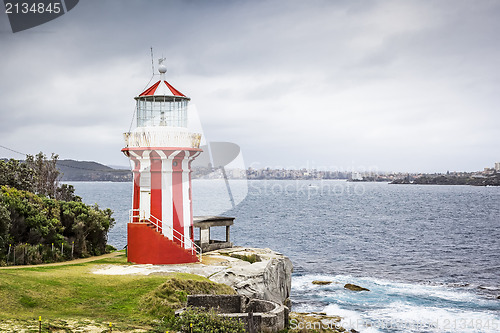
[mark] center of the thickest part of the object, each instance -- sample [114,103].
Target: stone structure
[204,223]
[269,279]
[258,315]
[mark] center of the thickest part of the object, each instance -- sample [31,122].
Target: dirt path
[71,262]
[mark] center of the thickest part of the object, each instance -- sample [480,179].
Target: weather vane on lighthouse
[161,149]
[161,67]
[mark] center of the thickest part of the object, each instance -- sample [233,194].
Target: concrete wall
[260,315]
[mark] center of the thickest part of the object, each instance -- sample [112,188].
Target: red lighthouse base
[146,246]
[160,230]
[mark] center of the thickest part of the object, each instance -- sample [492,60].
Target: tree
[17,174]
[46,180]
[37,174]
[66,192]
[4,225]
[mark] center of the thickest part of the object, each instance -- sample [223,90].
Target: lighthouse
[161,149]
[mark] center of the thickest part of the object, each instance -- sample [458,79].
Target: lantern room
[162,117]
[162,104]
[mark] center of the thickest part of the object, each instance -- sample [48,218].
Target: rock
[354,287]
[322,283]
[269,279]
[310,322]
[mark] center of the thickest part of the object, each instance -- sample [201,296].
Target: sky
[410,86]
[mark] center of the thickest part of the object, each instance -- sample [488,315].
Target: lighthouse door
[145,203]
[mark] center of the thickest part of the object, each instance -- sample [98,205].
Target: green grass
[73,292]
[173,294]
[251,258]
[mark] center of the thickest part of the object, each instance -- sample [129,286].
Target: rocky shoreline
[492,180]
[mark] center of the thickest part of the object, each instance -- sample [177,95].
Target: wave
[397,307]
[399,316]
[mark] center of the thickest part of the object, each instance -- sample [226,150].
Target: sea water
[430,255]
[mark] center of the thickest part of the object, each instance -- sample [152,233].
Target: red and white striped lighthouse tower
[161,149]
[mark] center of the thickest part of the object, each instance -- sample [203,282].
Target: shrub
[195,320]
[172,295]
[44,229]
[251,258]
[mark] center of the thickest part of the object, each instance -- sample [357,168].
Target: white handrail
[162,136]
[156,222]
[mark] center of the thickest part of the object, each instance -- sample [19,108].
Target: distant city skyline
[366,85]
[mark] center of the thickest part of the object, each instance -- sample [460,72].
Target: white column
[134,156]
[186,201]
[167,209]
[145,184]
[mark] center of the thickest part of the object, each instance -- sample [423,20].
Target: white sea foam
[400,307]
[441,292]
[304,282]
[411,318]
[391,289]
[350,319]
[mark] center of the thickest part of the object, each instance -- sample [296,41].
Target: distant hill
[72,170]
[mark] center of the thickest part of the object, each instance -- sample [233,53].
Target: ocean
[430,255]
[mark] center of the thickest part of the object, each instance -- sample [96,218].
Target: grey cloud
[276,77]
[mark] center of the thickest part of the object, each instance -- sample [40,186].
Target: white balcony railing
[162,136]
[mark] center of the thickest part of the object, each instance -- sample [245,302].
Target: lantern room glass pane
[158,111]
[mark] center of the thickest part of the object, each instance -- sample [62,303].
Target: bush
[172,295]
[40,229]
[251,258]
[197,320]
[4,225]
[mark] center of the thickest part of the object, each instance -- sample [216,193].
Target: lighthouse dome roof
[162,88]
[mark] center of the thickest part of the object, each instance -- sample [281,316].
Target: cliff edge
[255,273]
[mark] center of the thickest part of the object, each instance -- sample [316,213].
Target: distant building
[497,166]
[356,176]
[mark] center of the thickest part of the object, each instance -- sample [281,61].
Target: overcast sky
[387,85]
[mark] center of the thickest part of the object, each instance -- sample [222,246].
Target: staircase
[147,244]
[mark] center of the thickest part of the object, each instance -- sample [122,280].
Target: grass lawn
[73,293]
